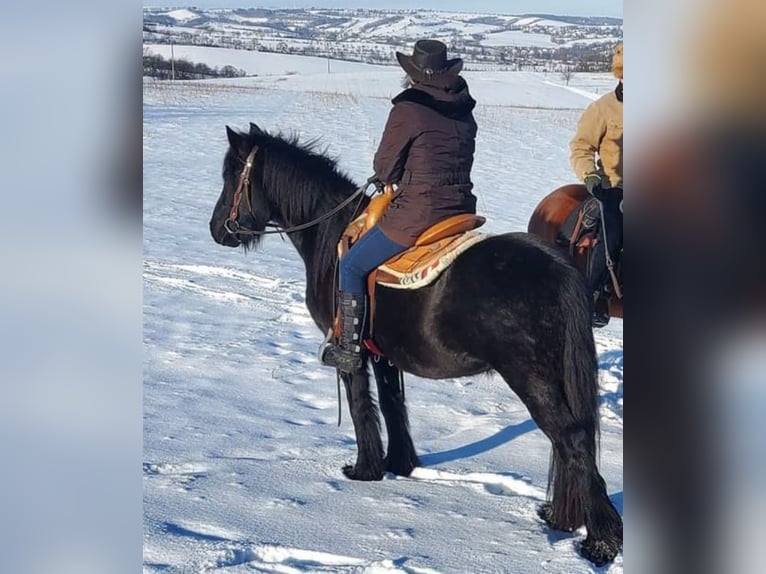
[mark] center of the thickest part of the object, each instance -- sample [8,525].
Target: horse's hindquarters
[494,299]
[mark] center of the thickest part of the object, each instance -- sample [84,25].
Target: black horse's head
[243,204]
[272,178]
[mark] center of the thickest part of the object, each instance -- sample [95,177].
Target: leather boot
[345,354]
[600,317]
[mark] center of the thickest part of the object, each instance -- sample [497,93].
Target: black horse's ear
[254,129]
[235,138]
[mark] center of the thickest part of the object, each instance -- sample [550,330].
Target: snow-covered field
[287,72]
[518,38]
[260,63]
[242,452]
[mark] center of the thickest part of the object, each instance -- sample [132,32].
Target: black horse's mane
[303,183]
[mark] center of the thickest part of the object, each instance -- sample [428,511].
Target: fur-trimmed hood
[452,100]
[617,62]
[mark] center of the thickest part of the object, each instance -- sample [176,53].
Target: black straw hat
[429,59]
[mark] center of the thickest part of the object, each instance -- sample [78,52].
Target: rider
[599,131]
[427,150]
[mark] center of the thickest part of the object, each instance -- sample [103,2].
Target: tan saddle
[434,250]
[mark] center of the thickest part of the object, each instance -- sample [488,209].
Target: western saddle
[434,250]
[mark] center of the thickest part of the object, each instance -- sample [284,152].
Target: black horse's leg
[578,491]
[401,458]
[364,413]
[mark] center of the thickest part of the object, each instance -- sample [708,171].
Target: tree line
[157,66]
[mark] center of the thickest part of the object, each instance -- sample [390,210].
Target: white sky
[558,7]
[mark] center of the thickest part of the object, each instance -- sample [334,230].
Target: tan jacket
[599,130]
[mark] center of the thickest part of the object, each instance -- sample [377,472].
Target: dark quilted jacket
[427,149]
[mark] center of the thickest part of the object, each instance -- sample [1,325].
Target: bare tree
[567,73]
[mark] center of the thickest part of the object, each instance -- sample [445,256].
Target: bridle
[232,226]
[243,190]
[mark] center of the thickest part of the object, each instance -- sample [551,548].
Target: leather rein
[243,191]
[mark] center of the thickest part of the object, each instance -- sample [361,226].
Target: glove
[374,180]
[593,183]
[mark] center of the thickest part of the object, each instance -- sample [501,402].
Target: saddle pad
[420,266]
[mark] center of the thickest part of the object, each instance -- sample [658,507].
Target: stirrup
[346,360]
[325,345]
[598,320]
[599,316]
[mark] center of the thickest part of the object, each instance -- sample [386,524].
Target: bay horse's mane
[299,181]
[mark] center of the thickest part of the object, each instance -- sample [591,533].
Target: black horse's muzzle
[224,234]
[232,226]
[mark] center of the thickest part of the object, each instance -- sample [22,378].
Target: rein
[243,190]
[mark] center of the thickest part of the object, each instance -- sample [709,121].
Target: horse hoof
[355,473]
[545,512]
[401,466]
[599,552]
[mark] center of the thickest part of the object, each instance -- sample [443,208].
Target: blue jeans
[370,251]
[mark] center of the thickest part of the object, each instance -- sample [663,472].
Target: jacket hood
[447,96]
[617,62]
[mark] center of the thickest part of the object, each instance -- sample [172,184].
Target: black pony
[510,304]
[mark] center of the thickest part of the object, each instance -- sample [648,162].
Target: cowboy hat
[429,59]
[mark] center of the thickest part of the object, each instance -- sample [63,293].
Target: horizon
[586,8]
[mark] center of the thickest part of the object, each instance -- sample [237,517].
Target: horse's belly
[411,334]
[443,371]
[430,361]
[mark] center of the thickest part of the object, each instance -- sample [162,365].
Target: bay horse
[510,304]
[548,218]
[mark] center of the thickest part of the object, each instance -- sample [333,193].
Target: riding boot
[345,354]
[600,315]
[596,278]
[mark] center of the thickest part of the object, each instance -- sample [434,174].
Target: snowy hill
[373,35]
[182,15]
[242,452]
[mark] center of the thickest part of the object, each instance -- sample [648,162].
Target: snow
[588,41]
[383,27]
[259,63]
[241,448]
[249,19]
[518,38]
[527,21]
[182,15]
[552,23]
[491,89]
[175,29]
[415,28]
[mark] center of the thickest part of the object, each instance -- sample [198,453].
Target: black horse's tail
[579,490]
[580,361]
[573,476]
